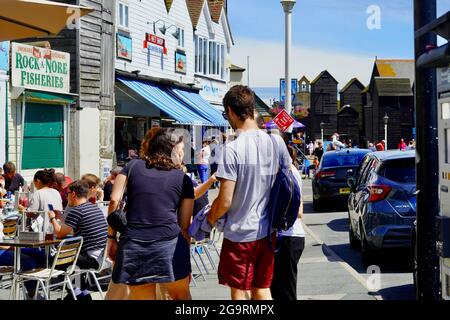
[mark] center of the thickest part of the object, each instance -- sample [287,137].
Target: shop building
[156,82]
[61,98]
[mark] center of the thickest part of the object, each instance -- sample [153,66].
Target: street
[331,228]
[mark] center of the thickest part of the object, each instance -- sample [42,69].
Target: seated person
[86,220]
[13,180]
[61,184]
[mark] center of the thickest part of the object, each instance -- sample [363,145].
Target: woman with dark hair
[154,247]
[45,195]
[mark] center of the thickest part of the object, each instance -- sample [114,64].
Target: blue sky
[327,34]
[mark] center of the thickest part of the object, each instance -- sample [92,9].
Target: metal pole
[321,131]
[427,159]
[385,136]
[248,71]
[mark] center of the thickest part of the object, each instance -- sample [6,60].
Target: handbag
[117,219]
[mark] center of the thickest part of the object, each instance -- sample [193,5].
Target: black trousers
[284,283]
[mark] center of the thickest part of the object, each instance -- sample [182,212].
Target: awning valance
[49,98]
[201,106]
[160,97]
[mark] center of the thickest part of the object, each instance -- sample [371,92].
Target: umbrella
[21,19]
[272,125]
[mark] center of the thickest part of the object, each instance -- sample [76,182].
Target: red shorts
[246,265]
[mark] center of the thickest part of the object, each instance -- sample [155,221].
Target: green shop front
[40,109]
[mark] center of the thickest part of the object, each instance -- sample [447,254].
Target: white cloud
[267,62]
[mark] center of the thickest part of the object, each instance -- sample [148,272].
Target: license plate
[344,190]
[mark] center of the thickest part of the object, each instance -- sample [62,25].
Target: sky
[326,34]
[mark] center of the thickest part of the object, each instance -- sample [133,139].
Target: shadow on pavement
[336,207]
[392,261]
[338,225]
[405,292]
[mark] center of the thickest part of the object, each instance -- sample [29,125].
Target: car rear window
[342,160]
[400,170]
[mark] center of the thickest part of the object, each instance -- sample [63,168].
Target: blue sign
[4,56]
[294,88]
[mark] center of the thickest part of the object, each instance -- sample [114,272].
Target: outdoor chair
[195,276]
[95,274]
[9,232]
[67,255]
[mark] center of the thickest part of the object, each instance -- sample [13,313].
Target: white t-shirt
[297,229]
[42,198]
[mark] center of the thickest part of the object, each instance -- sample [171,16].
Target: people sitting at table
[82,218]
[61,184]
[13,180]
[95,191]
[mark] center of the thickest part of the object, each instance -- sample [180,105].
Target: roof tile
[215,7]
[195,10]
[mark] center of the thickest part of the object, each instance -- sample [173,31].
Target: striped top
[88,221]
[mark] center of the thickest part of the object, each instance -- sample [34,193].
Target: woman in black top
[154,247]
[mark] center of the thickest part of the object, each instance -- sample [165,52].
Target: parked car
[330,179]
[382,203]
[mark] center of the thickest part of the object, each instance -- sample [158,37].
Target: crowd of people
[162,196]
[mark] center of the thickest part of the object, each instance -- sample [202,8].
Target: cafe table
[18,244]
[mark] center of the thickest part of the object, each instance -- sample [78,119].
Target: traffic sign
[283,120]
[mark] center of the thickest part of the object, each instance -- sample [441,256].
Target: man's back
[252,162]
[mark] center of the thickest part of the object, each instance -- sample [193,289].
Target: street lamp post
[322,126]
[386,121]
[288,6]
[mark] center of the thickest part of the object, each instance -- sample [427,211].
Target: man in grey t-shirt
[247,173]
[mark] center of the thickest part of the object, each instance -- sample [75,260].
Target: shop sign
[4,56]
[180,62]
[155,46]
[40,68]
[124,47]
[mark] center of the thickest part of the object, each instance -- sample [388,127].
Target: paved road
[331,228]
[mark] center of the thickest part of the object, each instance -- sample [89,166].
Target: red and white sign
[283,120]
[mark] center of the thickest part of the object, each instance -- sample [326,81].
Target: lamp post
[288,6]
[386,121]
[322,126]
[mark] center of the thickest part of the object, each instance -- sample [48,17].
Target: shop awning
[49,98]
[162,99]
[201,106]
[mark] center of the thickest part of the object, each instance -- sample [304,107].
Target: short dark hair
[241,100]
[9,167]
[80,187]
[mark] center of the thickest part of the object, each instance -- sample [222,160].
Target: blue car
[330,179]
[382,203]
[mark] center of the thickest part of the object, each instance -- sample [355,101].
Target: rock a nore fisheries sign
[40,68]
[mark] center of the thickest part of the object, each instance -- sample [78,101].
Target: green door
[43,145]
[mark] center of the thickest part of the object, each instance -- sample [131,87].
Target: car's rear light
[324,174]
[378,192]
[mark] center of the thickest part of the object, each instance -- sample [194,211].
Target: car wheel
[368,256]
[354,242]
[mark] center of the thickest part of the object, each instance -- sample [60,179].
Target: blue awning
[200,105]
[162,99]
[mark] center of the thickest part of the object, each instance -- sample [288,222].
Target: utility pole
[288,7]
[427,178]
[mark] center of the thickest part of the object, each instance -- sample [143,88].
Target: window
[197,51]
[181,37]
[123,15]
[222,62]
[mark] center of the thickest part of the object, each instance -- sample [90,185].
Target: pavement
[328,269]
